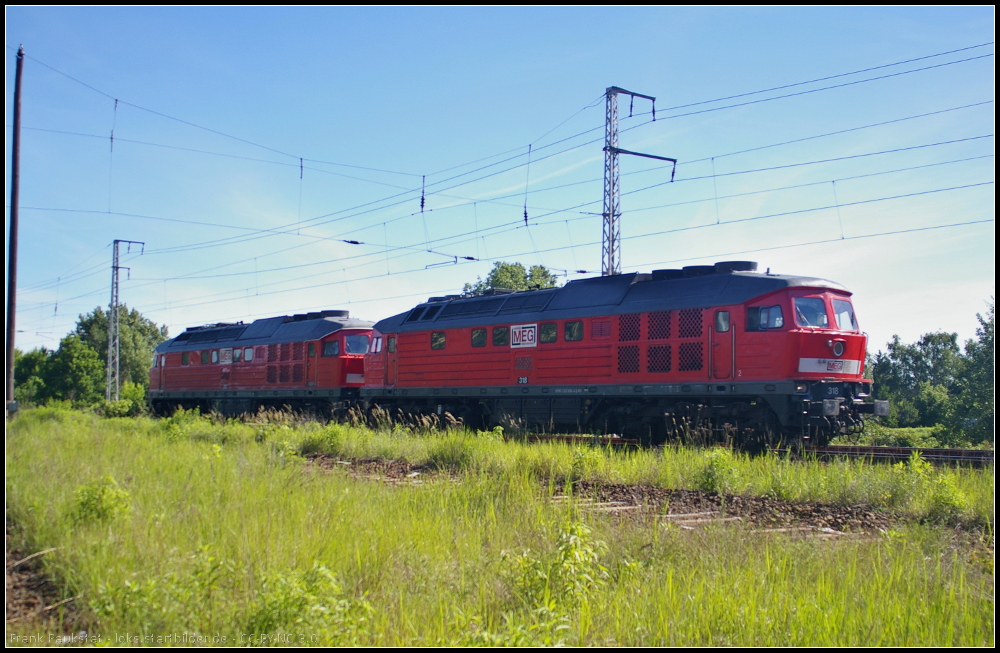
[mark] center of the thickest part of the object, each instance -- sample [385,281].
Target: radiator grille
[628,359]
[658,358]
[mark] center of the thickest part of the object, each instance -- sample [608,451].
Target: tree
[30,372]
[512,276]
[137,337]
[974,410]
[934,382]
[74,372]
[919,379]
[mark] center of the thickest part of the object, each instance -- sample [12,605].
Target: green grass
[187,526]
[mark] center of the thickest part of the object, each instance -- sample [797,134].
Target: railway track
[970,457]
[605,440]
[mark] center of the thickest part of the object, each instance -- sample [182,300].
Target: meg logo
[523,335]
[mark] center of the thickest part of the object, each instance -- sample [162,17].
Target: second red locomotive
[308,361]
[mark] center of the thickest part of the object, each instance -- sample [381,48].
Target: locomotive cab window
[845,315]
[356,344]
[437,340]
[331,348]
[811,312]
[722,321]
[760,318]
[479,337]
[237,355]
[501,336]
[548,332]
[573,331]
[185,358]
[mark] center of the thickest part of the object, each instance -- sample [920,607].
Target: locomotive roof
[287,328]
[609,295]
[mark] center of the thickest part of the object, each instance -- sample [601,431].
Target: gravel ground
[29,591]
[760,512]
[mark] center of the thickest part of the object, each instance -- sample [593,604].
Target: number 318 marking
[522,379]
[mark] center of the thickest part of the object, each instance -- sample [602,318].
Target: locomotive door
[390,360]
[723,341]
[312,366]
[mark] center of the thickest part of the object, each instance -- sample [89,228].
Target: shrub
[134,602]
[947,502]
[312,599]
[101,501]
[568,577]
[135,393]
[720,472]
[586,461]
[120,408]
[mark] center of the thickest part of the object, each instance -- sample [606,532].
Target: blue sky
[886,189]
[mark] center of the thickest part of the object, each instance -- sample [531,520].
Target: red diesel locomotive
[719,350]
[309,361]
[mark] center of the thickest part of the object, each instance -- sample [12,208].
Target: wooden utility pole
[15,183]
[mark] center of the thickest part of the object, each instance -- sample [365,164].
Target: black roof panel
[612,295]
[262,332]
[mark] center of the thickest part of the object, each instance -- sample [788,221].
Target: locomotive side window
[357,344]
[810,312]
[312,349]
[760,318]
[392,344]
[185,358]
[548,332]
[331,348]
[845,315]
[437,340]
[248,354]
[501,336]
[573,331]
[215,355]
[376,345]
[775,319]
[204,357]
[722,321]
[237,355]
[479,337]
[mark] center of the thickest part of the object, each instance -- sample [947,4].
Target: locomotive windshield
[811,312]
[845,315]
[356,344]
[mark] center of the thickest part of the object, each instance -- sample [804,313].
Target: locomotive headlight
[801,388]
[838,348]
